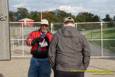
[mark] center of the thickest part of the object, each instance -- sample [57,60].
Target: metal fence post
[76,25]
[51,27]
[22,39]
[102,54]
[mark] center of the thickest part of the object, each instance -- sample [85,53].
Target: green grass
[96,34]
[93,35]
[108,33]
[109,44]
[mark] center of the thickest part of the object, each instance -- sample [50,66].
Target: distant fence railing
[101,36]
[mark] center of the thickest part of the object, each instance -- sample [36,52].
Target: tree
[114,18]
[52,16]
[56,15]
[107,18]
[34,15]
[22,13]
[87,17]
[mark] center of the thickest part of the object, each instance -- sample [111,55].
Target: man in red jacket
[39,40]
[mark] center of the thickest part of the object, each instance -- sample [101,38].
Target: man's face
[44,27]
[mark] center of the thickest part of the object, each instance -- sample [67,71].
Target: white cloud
[51,9]
[19,5]
[97,1]
[73,9]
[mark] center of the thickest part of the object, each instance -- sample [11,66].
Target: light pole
[41,15]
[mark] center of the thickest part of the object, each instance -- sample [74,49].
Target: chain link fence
[101,36]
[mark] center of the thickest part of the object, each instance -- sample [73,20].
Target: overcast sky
[99,7]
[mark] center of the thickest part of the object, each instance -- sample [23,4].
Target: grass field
[108,37]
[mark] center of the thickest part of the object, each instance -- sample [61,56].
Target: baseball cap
[69,19]
[44,21]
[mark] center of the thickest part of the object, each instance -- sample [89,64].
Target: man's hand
[28,42]
[34,41]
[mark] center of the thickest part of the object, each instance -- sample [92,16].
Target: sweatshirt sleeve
[52,51]
[85,52]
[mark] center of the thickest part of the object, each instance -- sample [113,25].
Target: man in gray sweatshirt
[69,52]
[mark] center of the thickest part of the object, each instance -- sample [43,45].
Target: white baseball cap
[44,21]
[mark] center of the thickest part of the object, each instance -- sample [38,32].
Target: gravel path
[18,67]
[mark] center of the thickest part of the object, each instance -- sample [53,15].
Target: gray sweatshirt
[69,50]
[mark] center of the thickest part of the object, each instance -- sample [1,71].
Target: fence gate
[4,31]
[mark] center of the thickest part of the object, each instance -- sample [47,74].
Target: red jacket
[36,34]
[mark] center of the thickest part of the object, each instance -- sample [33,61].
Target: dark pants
[68,74]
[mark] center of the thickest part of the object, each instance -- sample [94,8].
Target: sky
[98,7]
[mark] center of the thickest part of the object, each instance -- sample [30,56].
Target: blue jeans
[39,68]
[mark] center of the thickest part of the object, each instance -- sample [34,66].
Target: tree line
[56,16]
